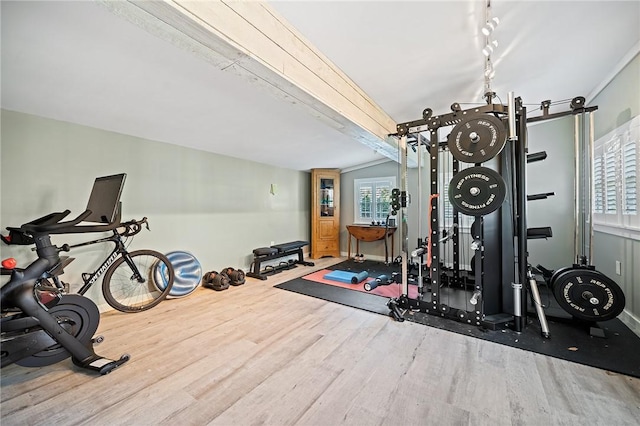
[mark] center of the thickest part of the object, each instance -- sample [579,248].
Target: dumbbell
[380,280]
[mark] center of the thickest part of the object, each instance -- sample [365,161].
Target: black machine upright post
[403,227]
[434,226]
[520,142]
[455,237]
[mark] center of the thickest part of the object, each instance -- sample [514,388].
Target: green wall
[218,208]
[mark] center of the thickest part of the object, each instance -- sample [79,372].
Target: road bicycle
[133,281]
[39,325]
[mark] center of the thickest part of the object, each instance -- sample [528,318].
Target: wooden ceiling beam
[252,41]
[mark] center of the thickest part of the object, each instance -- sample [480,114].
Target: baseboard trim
[630,321]
[367,257]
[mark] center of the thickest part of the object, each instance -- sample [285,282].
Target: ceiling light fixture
[489,71]
[488,49]
[490,26]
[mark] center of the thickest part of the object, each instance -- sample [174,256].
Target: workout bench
[277,251]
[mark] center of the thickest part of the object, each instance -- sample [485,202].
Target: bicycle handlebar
[50,228]
[52,225]
[133,227]
[51,218]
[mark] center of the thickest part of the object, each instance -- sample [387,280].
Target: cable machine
[478,138]
[485,154]
[478,172]
[586,294]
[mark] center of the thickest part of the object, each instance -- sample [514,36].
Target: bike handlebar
[133,227]
[51,228]
[51,224]
[51,218]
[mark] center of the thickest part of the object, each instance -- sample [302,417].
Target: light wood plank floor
[259,355]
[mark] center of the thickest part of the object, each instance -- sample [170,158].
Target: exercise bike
[39,324]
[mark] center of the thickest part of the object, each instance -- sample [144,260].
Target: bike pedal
[100,364]
[108,368]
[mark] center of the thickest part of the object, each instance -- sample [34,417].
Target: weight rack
[494,301]
[587,294]
[500,233]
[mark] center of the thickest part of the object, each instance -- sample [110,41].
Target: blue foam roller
[346,277]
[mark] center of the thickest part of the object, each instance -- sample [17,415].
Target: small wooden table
[370,233]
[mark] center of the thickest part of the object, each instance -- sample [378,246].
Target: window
[610,176]
[373,199]
[615,169]
[598,186]
[630,181]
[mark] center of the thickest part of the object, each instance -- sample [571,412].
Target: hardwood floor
[258,355]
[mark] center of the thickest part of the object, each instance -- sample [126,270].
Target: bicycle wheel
[129,290]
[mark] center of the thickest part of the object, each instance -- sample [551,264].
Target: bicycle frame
[118,250]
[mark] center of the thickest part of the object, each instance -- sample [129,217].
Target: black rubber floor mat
[343,296]
[570,340]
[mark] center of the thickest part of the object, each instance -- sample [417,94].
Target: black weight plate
[477,191]
[557,273]
[476,228]
[588,295]
[477,139]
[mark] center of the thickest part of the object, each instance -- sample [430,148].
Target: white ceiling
[411,55]
[78,62]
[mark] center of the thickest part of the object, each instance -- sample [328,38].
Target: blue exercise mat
[347,277]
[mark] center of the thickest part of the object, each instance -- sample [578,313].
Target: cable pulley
[477,139]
